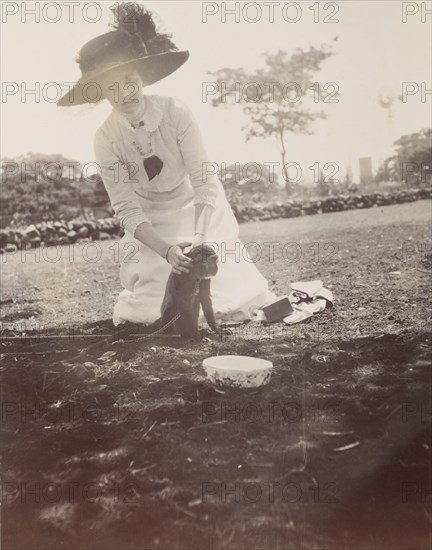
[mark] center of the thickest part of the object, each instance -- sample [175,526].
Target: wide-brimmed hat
[135,43]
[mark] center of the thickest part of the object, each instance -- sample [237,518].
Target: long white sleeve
[118,184]
[194,154]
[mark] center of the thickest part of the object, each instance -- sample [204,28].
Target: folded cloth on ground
[310,291]
[310,288]
[307,298]
[297,316]
[316,306]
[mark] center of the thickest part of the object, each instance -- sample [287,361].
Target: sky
[379,47]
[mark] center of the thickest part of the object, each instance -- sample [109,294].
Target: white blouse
[171,132]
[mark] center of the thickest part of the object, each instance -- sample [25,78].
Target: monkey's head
[204,261]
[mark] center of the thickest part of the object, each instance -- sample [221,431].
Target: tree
[323,187]
[276,98]
[48,187]
[412,161]
[348,180]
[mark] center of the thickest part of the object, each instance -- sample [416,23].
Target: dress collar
[152,117]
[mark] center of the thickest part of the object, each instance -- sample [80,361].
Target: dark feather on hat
[136,42]
[138,22]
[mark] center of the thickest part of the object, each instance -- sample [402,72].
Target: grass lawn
[118,446]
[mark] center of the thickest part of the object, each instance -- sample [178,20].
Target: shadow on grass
[129,446]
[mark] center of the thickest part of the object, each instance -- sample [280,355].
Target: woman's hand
[175,257]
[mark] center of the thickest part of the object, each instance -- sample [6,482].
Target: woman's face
[123,89]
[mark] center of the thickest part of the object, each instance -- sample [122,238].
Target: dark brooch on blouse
[153,166]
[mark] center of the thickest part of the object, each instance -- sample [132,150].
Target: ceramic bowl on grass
[238,371]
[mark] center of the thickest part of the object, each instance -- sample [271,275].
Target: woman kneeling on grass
[152,158]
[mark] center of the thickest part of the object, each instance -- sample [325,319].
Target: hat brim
[151,69]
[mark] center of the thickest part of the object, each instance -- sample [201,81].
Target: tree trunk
[80,201]
[284,170]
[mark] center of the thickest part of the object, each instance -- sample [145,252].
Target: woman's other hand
[175,257]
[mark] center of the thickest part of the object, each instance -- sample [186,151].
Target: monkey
[186,293]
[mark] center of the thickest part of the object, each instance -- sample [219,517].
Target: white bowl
[238,371]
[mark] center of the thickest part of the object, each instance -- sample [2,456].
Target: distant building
[366,175]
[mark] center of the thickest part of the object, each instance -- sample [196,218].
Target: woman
[153,165]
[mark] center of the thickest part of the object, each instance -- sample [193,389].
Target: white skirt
[237,289]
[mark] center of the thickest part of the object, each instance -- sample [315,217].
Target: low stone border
[60,232]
